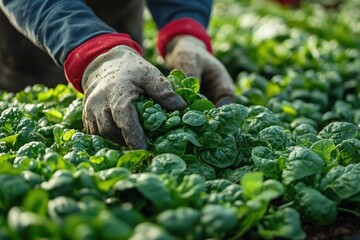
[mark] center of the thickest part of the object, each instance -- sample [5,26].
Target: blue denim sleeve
[56,26]
[164,11]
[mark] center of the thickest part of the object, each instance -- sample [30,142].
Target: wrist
[182,26]
[78,59]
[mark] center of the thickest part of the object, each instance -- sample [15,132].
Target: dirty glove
[111,83]
[185,45]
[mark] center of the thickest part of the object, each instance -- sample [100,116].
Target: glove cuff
[182,26]
[78,59]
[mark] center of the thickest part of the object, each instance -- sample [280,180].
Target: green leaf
[201,169]
[60,184]
[235,175]
[191,188]
[150,231]
[53,162]
[132,158]
[153,117]
[221,156]
[271,189]
[283,223]
[339,131]
[178,75]
[258,118]
[193,118]
[202,105]
[191,83]
[167,163]
[252,184]
[341,182]
[323,148]
[12,190]
[275,137]
[302,162]
[32,150]
[180,221]
[227,119]
[314,206]
[105,158]
[31,224]
[171,122]
[265,160]
[306,140]
[73,115]
[189,95]
[108,177]
[348,151]
[153,189]
[61,207]
[53,115]
[216,220]
[36,201]
[10,140]
[176,141]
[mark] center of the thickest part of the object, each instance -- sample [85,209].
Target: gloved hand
[191,55]
[111,83]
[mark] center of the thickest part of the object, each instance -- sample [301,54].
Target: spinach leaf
[302,162]
[314,206]
[193,118]
[227,119]
[282,223]
[167,163]
[339,131]
[175,141]
[275,137]
[180,221]
[223,155]
[266,160]
[341,182]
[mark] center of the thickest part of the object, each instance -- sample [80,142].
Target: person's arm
[57,27]
[165,11]
[176,17]
[184,43]
[105,65]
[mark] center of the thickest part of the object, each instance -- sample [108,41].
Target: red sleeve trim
[78,59]
[289,2]
[182,26]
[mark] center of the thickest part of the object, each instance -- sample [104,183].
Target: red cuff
[289,2]
[78,59]
[186,26]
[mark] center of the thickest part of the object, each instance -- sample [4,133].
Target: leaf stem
[349,211]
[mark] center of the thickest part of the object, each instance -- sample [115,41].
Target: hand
[111,83]
[189,54]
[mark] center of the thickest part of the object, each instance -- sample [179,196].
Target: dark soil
[347,227]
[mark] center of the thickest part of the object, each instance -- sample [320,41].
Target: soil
[347,227]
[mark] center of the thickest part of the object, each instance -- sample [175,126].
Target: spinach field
[281,162]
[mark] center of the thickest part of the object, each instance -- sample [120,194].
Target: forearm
[177,17]
[57,27]
[165,11]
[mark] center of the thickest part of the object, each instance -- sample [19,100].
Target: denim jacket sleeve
[165,11]
[56,26]
[59,26]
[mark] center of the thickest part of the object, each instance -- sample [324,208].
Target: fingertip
[225,101]
[174,102]
[139,143]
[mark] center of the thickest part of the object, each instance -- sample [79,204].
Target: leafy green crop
[283,156]
[206,132]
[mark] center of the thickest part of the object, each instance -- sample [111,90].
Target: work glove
[111,83]
[185,45]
